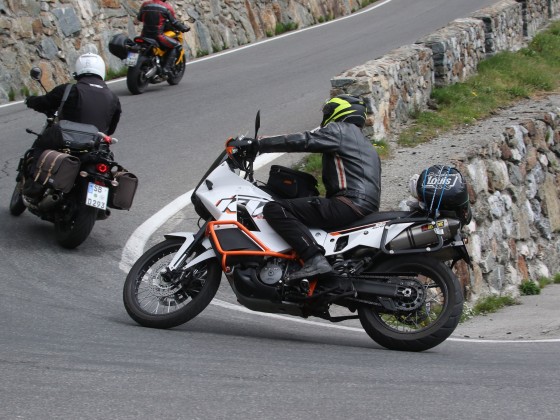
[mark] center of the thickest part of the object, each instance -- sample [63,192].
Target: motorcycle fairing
[224,191]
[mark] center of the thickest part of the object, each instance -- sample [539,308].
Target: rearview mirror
[36,73]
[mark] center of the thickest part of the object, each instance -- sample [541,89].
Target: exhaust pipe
[49,202]
[151,72]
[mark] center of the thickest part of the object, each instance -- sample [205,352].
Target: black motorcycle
[72,187]
[144,58]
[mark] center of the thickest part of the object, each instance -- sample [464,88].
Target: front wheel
[177,73]
[427,325]
[156,299]
[16,203]
[136,79]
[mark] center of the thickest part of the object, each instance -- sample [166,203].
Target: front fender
[189,239]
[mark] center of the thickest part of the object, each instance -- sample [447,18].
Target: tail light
[102,168]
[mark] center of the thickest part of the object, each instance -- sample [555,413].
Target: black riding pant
[291,218]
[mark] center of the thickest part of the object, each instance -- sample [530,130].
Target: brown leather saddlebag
[124,192]
[57,170]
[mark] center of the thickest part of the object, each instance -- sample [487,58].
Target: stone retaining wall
[503,26]
[457,49]
[53,33]
[514,183]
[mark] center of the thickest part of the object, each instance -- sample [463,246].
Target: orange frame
[265,251]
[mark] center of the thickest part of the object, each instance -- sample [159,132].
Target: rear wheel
[431,322]
[136,79]
[156,299]
[16,203]
[71,233]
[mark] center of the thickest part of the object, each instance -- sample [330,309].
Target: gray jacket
[351,165]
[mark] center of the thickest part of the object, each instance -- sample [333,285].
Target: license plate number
[97,196]
[131,59]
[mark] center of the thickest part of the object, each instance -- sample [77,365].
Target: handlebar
[105,138]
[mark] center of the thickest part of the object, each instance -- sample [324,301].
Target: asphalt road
[69,351]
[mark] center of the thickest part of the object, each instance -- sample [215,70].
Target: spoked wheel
[426,316]
[16,203]
[136,79]
[177,74]
[156,299]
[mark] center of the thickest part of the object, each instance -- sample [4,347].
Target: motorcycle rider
[157,16]
[351,175]
[90,101]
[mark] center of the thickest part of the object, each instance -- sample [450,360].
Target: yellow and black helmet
[344,108]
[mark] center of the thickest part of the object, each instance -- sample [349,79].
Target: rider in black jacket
[157,16]
[351,175]
[89,101]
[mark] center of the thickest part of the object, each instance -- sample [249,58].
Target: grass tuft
[500,81]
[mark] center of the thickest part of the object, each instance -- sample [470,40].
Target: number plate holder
[97,196]
[131,59]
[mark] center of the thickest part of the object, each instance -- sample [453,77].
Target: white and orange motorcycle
[391,270]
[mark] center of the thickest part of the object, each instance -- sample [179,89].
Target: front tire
[178,72]
[430,324]
[17,206]
[136,80]
[155,301]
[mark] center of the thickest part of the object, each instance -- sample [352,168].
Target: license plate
[97,196]
[131,59]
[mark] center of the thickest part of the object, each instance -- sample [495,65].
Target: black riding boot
[169,61]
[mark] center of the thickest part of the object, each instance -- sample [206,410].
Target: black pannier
[443,189]
[118,45]
[290,183]
[124,192]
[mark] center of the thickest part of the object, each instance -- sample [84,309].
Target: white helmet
[90,64]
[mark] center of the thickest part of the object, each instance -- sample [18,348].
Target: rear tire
[17,206]
[430,324]
[70,234]
[136,80]
[155,302]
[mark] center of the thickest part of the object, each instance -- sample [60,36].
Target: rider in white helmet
[89,101]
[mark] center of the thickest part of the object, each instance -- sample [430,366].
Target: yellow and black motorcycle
[145,57]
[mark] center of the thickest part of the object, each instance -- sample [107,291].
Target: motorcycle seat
[144,40]
[379,216]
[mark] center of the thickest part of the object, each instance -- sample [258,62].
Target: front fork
[191,241]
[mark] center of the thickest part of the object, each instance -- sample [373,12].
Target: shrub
[529,287]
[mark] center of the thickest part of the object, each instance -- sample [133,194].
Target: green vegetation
[529,287]
[501,81]
[11,94]
[556,278]
[201,53]
[487,305]
[285,27]
[115,74]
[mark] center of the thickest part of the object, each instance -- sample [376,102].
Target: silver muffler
[151,72]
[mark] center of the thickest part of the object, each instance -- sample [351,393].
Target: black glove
[246,146]
[28,101]
[183,28]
